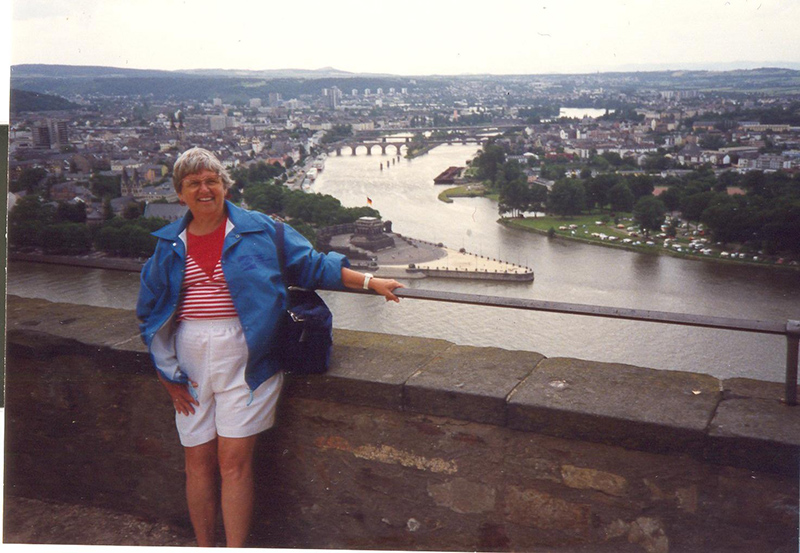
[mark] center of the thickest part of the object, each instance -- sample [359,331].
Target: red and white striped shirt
[205,293]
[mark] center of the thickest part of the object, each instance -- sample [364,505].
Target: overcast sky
[409,37]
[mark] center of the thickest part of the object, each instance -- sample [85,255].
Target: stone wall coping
[737,422]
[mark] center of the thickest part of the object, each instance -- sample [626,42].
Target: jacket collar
[242,220]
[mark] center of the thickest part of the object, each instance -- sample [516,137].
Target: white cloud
[413,37]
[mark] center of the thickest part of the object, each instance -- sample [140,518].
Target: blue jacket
[251,269]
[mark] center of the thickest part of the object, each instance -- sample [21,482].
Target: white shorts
[213,353]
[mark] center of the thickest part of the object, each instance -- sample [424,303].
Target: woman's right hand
[182,399]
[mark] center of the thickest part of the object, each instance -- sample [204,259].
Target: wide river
[566,271]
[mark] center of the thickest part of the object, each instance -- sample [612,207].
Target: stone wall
[419,444]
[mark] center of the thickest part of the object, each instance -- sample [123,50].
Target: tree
[598,188]
[132,211]
[489,161]
[780,230]
[28,180]
[567,197]
[640,185]
[538,198]
[728,179]
[672,198]
[620,197]
[648,212]
[27,220]
[66,239]
[692,207]
[711,141]
[553,172]
[728,220]
[656,162]
[515,197]
[104,186]
[71,212]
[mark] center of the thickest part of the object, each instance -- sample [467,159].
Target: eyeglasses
[210,182]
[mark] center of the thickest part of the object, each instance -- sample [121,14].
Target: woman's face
[204,193]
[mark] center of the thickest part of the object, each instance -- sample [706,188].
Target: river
[565,271]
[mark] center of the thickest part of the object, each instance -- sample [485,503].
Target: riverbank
[596,229]
[89,261]
[409,258]
[590,230]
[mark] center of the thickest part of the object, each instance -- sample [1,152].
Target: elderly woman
[210,301]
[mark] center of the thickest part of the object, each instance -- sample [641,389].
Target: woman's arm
[383,286]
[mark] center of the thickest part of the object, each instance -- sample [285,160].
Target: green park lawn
[580,226]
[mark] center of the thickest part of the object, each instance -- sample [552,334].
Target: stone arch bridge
[397,145]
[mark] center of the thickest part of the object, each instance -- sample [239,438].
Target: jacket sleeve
[309,268]
[147,298]
[160,341]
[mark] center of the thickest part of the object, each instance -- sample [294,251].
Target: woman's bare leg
[201,491]
[236,469]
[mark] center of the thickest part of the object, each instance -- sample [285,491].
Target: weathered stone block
[618,404]
[89,325]
[368,369]
[592,479]
[755,432]
[469,383]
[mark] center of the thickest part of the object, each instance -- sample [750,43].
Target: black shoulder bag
[305,339]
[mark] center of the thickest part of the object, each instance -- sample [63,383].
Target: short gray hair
[195,160]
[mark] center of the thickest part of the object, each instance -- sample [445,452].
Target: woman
[210,301]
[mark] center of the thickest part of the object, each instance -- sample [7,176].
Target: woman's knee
[236,457]
[202,461]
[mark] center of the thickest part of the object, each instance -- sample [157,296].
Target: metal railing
[790,329]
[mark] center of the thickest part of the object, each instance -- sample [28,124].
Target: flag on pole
[369,200]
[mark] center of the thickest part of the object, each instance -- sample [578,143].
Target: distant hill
[47,71]
[202,84]
[322,73]
[236,85]
[24,100]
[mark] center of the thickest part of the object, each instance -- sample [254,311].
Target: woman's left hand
[383,286]
[386,287]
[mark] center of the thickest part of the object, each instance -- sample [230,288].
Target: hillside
[234,85]
[24,100]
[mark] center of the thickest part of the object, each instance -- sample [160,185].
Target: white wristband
[367,278]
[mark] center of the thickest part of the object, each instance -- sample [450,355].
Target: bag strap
[279,241]
[279,246]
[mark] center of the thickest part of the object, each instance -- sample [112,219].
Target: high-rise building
[58,132]
[52,133]
[41,136]
[333,96]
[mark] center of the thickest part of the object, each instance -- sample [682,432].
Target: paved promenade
[425,255]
